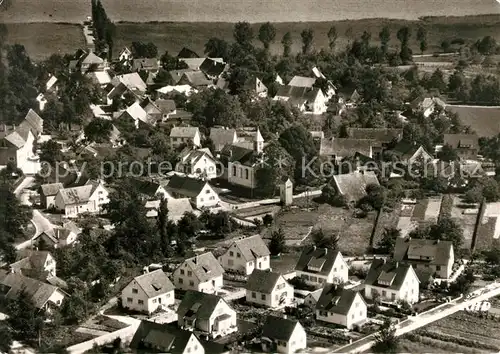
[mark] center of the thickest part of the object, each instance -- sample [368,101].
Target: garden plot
[413,215]
[493,211]
[489,228]
[466,216]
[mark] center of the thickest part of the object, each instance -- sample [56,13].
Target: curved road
[41,224]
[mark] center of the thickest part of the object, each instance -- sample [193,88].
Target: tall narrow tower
[258,142]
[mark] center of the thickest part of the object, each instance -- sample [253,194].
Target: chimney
[396,265]
[326,251]
[314,248]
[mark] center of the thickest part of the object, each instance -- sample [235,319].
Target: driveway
[41,224]
[26,183]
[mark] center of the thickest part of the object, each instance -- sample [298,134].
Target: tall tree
[267,34]
[307,40]
[217,48]
[386,340]
[332,38]
[422,38]
[385,37]
[286,41]
[243,34]
[277,244]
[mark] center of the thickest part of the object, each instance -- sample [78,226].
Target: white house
[125,55]
[198,163]
[283,335]
[312,298]
[393,281]
[246,254]
[48,194]
[436,256]
[44,296]
[201,193]
[59,236]
[89,198]
[150,190]
[269,289]
[241,161]
[34,263]
[319,266]
[201,273]
[344,307]
[148,292]
[185,135]
[206,313]
[307,100]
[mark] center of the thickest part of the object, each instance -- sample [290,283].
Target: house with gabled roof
[48,194]
[427,105]
[197,163]
[341,306]
[409,152]
[213,69]
[125,55]
[306,99]
[44,296]
[91,62]
[149,189]
[223,136]
[256,87]
[393,281]
[246,254]
[146,64]
[384,136]
[148,292]
[158,338]
[466,145]
[241,161]
[436,256]
[196,79]
[89,198]
[122,84]
[177,208]
[201,193]
[320,266]
[283,335]
[34,263]
[337,149]
[185,135]
[201,273]
[187,53]
[268,289]
[353,185]
[161,110]
[59,236]
[312,298]
[136,116]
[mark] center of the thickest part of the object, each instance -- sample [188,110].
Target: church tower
[258,142]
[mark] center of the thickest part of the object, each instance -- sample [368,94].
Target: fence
[125,334]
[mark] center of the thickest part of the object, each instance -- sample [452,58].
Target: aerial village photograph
[249,176]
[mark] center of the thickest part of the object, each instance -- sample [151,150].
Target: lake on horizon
[243,10]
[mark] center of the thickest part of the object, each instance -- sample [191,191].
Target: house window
[167,295]
[129,299]
[201,199]
[238,255]
[341,267]
[154,301]
[352,316]
[393,296]
[234,171]
[230,262]
[384,293]
[263,296]
[246,174]
[196,347]
[135,291]
[182,271]
[189,350]
[191,283]
[356,304]
[140,302]
[250,263]
[212,198]
[207,191]
[276,297]
[438,268]
[254,295]
[181,280]
[190,273]
[335,269]
[231,254]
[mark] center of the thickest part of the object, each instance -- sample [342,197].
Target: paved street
[41,224]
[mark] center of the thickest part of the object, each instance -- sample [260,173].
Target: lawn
[461,332]
[485,121]
[466,221]
[388,220]
[43,39]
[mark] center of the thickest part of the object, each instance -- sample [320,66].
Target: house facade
[343,307]
[185,135]
[197,163]
[392,281]
[89,198]
[283,335]
[465,145]
[148,292]
[268,289]
[435,256]
[200,192]
[320,266]
[206,313]
[245,255]
[202,273]
[48,194]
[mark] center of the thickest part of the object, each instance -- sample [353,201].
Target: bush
[267,220]
[299,283]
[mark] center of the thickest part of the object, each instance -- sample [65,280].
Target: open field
[461,332]
[485,121]
[388,220]
[42,39]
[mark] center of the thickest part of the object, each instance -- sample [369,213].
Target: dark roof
[390,275]
[50,189]
[235,153]
[35,122]
[189,187]
[165,106]
[195,79]
[176,75]
[383,135]
[198,305]
[279,328]
[405,149]
[298,94]
[252,247]
[262,281]
[154,283]
[187,53]
[212,68]
[221,137]
[318,258]
[145,187]
[346,147]
[145,64]
[155,335]
[335,299]
[462,141]
[204,266]
[434,252]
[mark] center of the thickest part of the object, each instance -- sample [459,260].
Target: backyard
[484,121]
